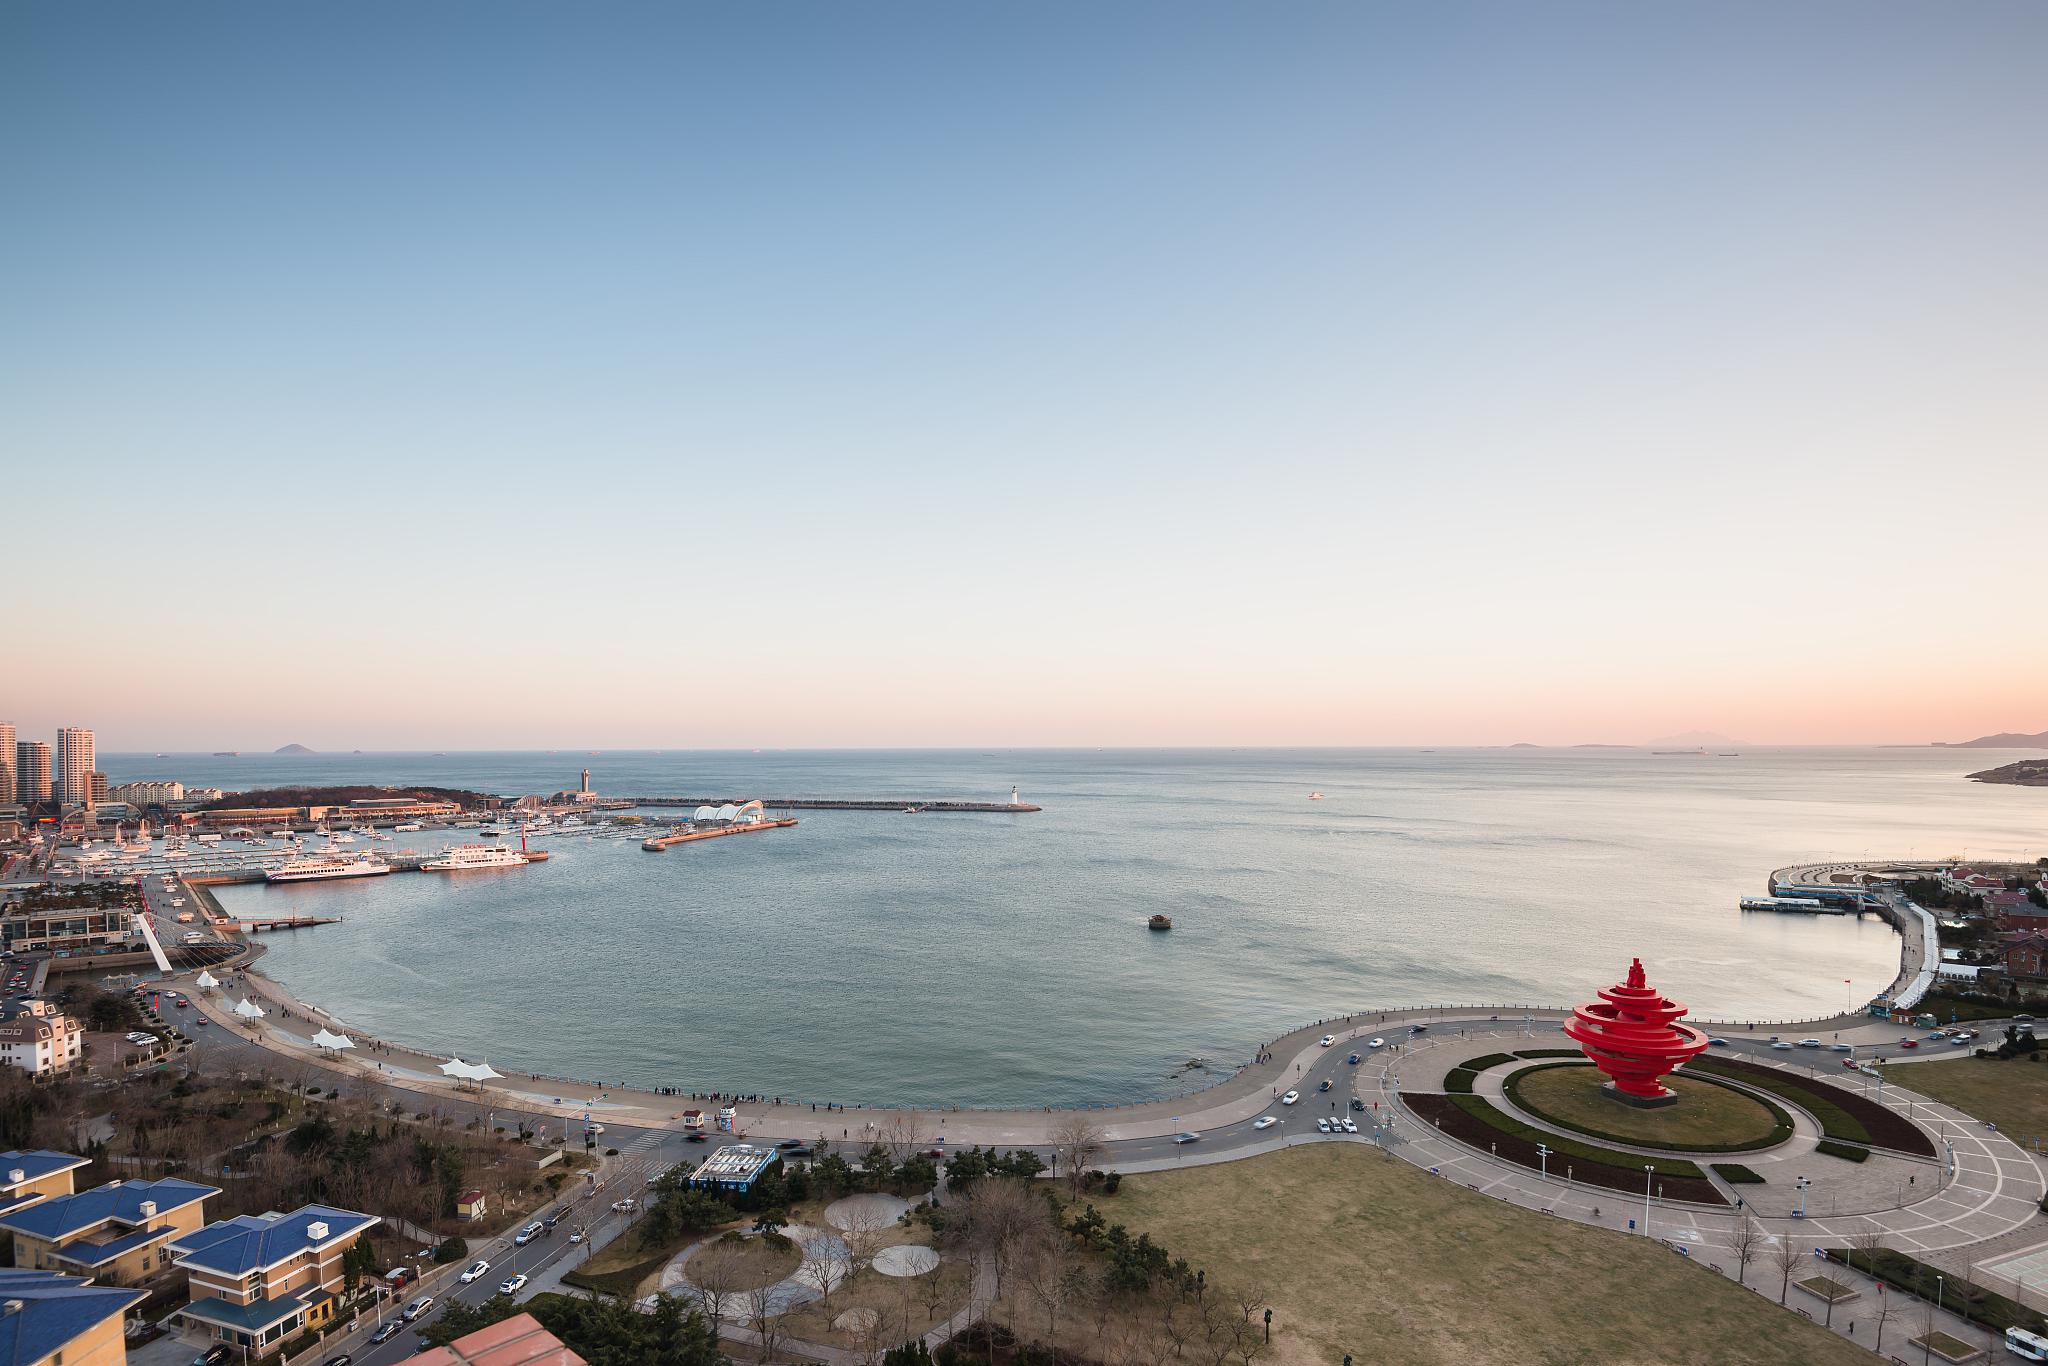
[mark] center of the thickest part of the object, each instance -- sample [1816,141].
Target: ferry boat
[320,869]
[465,858]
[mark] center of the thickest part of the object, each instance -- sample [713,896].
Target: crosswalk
[651,1139]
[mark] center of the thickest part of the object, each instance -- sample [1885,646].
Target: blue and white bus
[2026,1346]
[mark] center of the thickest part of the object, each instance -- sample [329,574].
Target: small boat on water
[1315,796]
[1159,922]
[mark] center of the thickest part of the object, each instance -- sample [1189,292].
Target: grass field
[1368,1255]
[2013,1095]
[1705,1116]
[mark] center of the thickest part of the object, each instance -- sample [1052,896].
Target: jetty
[285,922]
[685,834]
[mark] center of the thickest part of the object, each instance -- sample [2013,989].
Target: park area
[2012,1094]
[1363,1254]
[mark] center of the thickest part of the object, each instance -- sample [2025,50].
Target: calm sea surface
[996,959]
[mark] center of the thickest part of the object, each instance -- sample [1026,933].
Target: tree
[764,1316]
[1049,1268]
[1786,1257]
[1748,1237]
[1076,1142]
[822,1268]
[904,1133]
[862,1233]
[717,1270]
[993,1219]
[1869,1243]
[457,1319]
[912,1353]
[1886,1307]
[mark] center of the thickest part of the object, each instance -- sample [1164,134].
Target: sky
[503,375]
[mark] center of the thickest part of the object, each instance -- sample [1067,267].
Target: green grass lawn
[1705,1116]
[1368,1255]
[2013,1095]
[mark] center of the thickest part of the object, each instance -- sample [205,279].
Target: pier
[658,843]
[909,805]
[289,922]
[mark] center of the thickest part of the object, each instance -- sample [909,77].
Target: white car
[1350,1126]
[1322,1126]
[1329,1039]
[1264,1122]
[1782,1044]
[1377,1043]
[513,1286]
[625,1206]
[1809,1043]
[476,1271]
[1290,1098]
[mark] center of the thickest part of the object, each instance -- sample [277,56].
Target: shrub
[1735,1174]
[1551,1053]
[1480,1064]
[1472,1121]
[450,1252]
[1459,1080]
[1848,1152]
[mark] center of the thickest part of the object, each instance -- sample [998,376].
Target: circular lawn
[1708,1116]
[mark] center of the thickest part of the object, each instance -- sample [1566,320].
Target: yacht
[319,869]
[408,828]
[340,837]
[464,858]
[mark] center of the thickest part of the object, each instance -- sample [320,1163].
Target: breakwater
[912,805]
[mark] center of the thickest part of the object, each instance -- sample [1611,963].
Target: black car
[1323,1085]
[789,1143]
[1357,1104]
[215,1355]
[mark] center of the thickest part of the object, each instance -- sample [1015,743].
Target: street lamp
[1801,1184]
[1648,1171]
[1543,1159]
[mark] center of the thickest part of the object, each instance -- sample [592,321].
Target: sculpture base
[1636,1102]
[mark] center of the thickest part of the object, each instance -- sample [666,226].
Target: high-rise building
[31,772]
[7,762]
[74,766]
[96,788]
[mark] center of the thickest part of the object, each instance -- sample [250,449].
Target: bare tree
[764,1316]
[994,1219]
[1886,1308]
[717,1270]
[822,1268]
[1786,1257]
[1075,1143]
[1048,1268]
[870,1336]
[904,1136]
[1250,1337]
[1748,1238]
[1870,1242]
[931,1292]
[862,1233]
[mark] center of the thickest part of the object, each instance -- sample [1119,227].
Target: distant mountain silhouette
[1702,739]
[2003,740]
[294,749]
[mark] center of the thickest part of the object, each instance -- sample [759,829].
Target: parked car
[215,1355]
[1322,1126]
[399,1277]
[1264,1122]
[575,1235]
[476,1270]
[1357,1104]
[512,1285]
[1290,1098]
[338,1359]
[1350,1126]
[386,1332]
[1782,1044]
[417,1308]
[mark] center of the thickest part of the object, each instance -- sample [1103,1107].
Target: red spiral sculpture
[1631,1034]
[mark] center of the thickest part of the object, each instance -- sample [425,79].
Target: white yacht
[319,869]
[465,858]
[340,837]
[408,828]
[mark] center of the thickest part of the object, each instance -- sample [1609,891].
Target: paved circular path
[906,1259]
[884,1209]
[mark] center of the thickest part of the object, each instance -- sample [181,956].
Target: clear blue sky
[1068,373]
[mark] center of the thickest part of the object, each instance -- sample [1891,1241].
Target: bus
[2026,1346]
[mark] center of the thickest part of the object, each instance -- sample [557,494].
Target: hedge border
[1967,1298]
[1848,1152]
[1500,1121]
[1735,1174]
[1455,1116]
[1781,1123]
[1858,1120]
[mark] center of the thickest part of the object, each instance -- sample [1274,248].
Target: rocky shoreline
[2025,773]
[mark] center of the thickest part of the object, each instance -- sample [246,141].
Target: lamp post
[1648,1171]
[1543,1159]
[1927,1343]
[1801,1184]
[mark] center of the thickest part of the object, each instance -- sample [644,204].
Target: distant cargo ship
[465,858]
[320,869]
[227,754]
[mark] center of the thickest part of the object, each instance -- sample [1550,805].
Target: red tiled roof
[517,1341]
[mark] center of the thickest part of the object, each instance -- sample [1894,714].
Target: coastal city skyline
[1142,375]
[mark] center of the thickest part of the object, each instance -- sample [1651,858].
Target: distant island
[342,796]
[2025,773]
[293,749]
[2003,740]
[1701,739]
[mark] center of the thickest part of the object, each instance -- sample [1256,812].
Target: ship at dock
[321,869]
[465,858]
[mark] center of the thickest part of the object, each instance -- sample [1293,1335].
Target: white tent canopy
[205,980]
[327,1038]
[249,1010]
[469,1071]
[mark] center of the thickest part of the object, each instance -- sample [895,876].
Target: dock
[658,843]
[900,804]
[289,922]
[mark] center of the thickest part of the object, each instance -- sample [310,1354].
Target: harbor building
[258,1279]
[31,925]
[74,766]
[735,1167]
[50,1319]
[118,1234]
[31,772]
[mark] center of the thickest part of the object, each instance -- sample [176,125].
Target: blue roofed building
[118,1234]
[735,1167]
[50,1318]
[27,1176]
[257,1279]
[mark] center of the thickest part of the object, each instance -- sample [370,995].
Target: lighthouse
[585,788]
[1015,800]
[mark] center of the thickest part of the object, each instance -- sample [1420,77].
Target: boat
[1315,796]
[1159,922]
[320,869]
[408,828]
[340,837]
[463,858]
